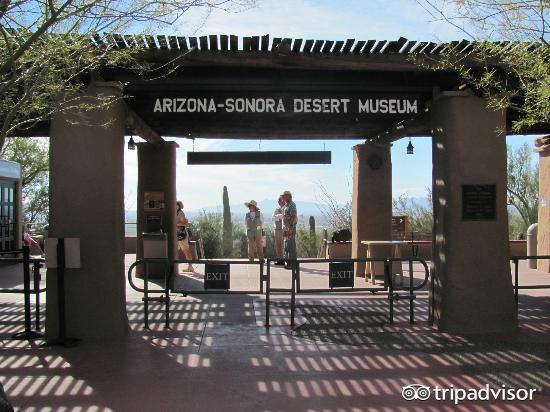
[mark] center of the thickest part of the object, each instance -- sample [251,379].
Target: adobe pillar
[157,174]
[371,198]
[473,287]
[543,234]
[87,202]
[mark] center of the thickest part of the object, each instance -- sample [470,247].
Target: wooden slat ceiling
[265,43]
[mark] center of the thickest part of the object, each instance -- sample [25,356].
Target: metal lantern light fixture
[131,144]
[410,147]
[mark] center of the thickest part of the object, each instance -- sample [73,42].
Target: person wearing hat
[278,232]
[290,220]
[254,222]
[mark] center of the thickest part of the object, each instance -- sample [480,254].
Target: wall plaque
[479,202]
[216,276]
[340,275]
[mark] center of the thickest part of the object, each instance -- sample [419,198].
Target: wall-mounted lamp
[131,144]
[410,147]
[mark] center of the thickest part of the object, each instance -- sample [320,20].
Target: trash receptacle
[155,246]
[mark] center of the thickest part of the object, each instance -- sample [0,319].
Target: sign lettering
[329,105]
[341,274]
[216,276]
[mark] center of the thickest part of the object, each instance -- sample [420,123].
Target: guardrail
[515,260]
[393,291]
[26,260]
[169,287]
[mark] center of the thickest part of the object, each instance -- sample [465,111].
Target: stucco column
[87,202]
[371,198]
[473,286]
[543,234]
[157,173]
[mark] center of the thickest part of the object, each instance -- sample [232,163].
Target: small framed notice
[479,202]
[340,275]
[216,276]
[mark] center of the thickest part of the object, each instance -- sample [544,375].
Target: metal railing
[36,263]
[515,260]
[389,287]
[169,286]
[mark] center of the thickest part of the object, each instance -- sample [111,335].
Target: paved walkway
[342,356]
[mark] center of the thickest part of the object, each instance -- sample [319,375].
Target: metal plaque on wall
[340,275]
[216,276]
[479,202]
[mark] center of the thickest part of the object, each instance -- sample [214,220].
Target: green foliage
[47,54]
[516,225]
[240,245]
[227,225]
[209,225]
[523,185]
[270,243]
[33,156]
[512,73]
[420,216]
[307,243]
[337,215]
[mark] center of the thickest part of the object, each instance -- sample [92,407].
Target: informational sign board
[479,202]
[153,201]
[399,227]
[216,276]
[72,252]
[340,275]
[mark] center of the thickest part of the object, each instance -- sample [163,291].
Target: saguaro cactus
[227,226]
[312,225]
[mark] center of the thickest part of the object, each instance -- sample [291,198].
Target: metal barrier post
[267,293]
[516,281]
[167,276]
[411,292]
[388,276]
[262,277]
[293,294]
[36,278]
[298,284]
[62,339]
[28,333]
[146,297]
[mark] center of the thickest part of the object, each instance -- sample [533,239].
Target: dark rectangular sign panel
[273,113]
[479,202]
[216,276]
[340,275]
[258,158]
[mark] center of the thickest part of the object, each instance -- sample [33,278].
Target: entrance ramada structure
[259,87]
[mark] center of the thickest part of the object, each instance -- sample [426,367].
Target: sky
[201,186]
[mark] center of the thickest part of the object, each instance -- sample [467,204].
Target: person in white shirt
[278,224]
[254,223]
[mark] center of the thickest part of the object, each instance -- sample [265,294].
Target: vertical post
[87,202]
[293,295]
[411,292]
[167,280]
[371,201]
[543,238]
[516,282]
[469,198]
[28,333]
[27,288]
[261,277]
[267,293]
[388,277]
[146,297]
[36,279]
[61,288]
